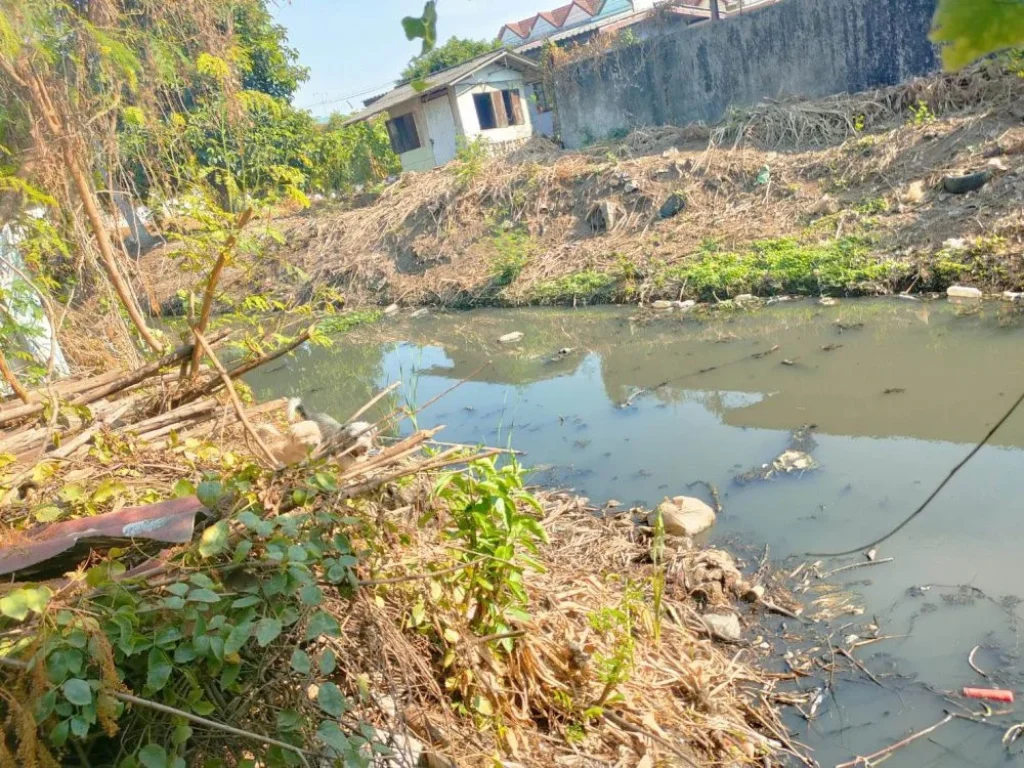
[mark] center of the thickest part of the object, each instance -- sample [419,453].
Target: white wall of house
[489,79]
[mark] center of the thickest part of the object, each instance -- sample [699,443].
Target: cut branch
[239,408]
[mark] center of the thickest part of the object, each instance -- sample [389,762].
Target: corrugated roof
[580,29]
[443,79]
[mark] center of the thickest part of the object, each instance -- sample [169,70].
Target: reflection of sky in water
[872,475]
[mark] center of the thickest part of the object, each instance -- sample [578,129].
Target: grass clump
[588,285]
[781,265]
[513,251]
[343,323]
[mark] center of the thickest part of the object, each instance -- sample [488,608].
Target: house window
[403,135]
[498,109]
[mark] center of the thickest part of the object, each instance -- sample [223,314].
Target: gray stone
[685,306]
[603,216]
[510,338]
[963,292]
[724,626]
[390,309]
[661,304]
[422,312]
[684,516]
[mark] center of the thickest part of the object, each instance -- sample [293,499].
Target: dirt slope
[839,196]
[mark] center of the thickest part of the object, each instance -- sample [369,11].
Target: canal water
[635,407]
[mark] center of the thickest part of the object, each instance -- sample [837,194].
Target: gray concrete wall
[796,47]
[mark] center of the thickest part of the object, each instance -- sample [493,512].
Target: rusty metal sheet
[168,522]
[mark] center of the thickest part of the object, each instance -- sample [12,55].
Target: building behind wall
[486,98]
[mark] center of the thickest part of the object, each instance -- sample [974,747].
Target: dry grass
[436,237]
[682,696]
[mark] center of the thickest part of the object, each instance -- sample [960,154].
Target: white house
[485,97]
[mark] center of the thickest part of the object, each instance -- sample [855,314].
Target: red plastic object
[992,694]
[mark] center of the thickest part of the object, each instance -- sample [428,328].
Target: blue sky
[354,46]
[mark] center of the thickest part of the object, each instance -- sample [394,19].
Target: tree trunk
[92,211]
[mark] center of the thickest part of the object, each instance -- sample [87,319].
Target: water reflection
[705,403]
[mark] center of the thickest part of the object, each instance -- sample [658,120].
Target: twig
[874,756]
[130,699]
[11,379]
[239,408]
[374,400]
[975,667]
[857,663]
[850,567]
[244,368]
[776,608]
[626,725]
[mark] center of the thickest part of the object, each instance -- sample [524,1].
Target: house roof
[442,79]
[628,16]
[556,18]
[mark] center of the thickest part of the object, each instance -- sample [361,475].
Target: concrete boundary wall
[795,47]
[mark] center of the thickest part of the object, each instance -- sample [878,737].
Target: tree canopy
[970,29]
[452,53]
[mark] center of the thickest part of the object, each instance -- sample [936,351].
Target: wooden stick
[244,368]
[211,283]
[11,379]
[139,702]
[857,662]
[73,387]
[374,400]
[85,436]
[874,756]
[239,408]
[850,567]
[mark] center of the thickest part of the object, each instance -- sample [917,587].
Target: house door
[441,129]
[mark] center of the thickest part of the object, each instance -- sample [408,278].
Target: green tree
[452,53]
[970,29]
[268,65]
[347,155]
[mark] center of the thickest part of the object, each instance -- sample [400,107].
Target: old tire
[959,185]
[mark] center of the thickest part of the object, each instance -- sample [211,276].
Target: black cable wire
[932,495]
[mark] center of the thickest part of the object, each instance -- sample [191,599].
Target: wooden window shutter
[393,135]
[500,115]
[517,107]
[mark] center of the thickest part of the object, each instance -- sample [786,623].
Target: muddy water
[637,409]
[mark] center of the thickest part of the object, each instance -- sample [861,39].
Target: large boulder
[684,516]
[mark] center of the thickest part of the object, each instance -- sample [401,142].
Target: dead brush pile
[173,600]
[548,226]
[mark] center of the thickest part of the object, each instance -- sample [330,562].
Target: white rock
[724,626]
[997,163]
[955,243]
[685,306]
[828,301]
[421,312]
[661,304]
[744,297]
[390,309]
[510,338]
[963,292]
[1012,295]
[684,516]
